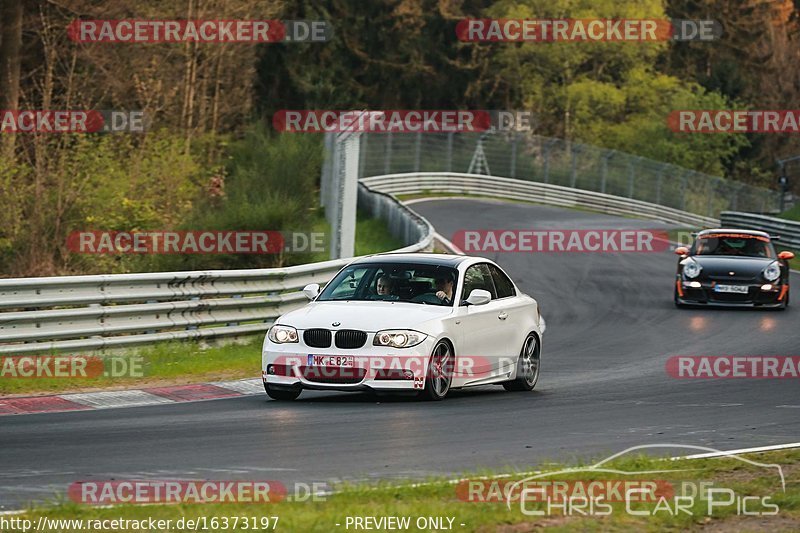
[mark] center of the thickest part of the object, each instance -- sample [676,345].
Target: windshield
[403,282]
[734,244]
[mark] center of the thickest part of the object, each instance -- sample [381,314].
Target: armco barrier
[82,313]
[788,231]
[543,193]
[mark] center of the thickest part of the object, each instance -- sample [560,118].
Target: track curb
[87,401]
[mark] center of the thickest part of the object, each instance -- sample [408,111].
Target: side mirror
[311,290]
[786,255]
[682,250]
[479,297]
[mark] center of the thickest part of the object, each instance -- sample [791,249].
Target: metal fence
[559,162]
[788,231]
[81,313]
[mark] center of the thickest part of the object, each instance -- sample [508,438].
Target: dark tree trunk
[10,44]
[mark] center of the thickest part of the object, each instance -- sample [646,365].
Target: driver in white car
[444,289]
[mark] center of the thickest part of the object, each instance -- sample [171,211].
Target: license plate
[340,361]
[739,289]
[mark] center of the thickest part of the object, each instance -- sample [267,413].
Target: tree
[10,44]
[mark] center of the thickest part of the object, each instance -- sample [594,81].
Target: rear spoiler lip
[770,237]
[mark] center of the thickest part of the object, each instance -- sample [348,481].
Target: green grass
[438,498]
[792,214]
[172,362]
[372,236]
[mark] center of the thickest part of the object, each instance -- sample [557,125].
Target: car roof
[735,230]
[420,258]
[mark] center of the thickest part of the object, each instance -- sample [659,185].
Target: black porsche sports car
[732,267]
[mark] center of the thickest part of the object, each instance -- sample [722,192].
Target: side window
[478,277]
[501,282]
[347,287]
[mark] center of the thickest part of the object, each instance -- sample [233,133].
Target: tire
[785,303]
[440,372]
[528,366]
[675,299]
[283,395]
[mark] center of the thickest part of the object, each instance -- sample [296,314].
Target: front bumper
[688,293]
[377,368]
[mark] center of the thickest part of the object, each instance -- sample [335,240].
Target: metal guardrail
[788,231]
[543,193]
[81,313]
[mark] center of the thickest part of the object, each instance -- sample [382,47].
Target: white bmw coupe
[407,323]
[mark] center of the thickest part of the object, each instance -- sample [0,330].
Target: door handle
[503,315]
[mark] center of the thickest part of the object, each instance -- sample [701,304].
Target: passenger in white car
[384,285]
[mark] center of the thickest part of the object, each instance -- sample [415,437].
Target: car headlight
[398,338]
[772,272]
[691,269]
[282,334]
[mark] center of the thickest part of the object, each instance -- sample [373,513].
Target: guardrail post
[546,166]
[711,195]
[683,192]
[362,154]
[604,170]
[450,151]
[387,161]
[514,156]
[232,324]
[327,170]
[573,177]
[417,149]
[149,331]
[193,326]
[630,178]
[659,178]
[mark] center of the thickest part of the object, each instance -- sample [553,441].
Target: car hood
[724,265]
[366,316]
